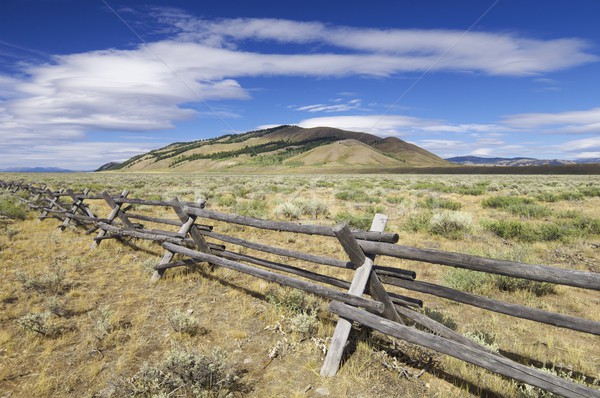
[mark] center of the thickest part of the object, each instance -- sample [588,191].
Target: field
[80,322]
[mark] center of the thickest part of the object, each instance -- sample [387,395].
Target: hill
[283,149]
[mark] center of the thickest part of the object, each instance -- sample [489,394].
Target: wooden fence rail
[384,311]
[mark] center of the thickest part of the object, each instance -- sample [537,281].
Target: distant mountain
[108,166]
[588,161]
[36,170]
[519,161]
[284,149]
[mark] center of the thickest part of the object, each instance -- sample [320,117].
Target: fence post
[77,204]
[53,199]
[187,226]
[115,210]
[364,274]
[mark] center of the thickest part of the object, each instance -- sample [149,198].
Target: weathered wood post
[115,211]
[77,203]
[187,226]
[364,274]
[53,200]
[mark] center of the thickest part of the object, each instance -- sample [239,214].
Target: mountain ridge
[283,148]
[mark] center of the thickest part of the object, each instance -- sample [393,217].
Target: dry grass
[107,321]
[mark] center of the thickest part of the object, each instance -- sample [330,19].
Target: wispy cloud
[71,155]
[408,49]
[336,106]
[573,122]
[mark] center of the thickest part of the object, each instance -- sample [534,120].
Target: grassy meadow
[87,323]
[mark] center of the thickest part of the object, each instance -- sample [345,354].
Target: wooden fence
[384,311]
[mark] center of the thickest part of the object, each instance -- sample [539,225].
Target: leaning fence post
[187,226]
[77,204]
[364,274]
[53,199]
[116,209]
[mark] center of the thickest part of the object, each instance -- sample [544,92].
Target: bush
[305,323]
[292,300]
[356,195]
[52,281]
[510,229]
[440,203]
[39,323]
[510,284]
[524,207]
[440,317]
[184,322]
[12,208]
[395,199]
[418,222]
[484,339]
[360,221]
[183,372]
[466,280]
[289,210]
[450,224]
[251,208]
[315,208]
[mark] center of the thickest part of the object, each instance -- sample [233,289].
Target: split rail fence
[384,311]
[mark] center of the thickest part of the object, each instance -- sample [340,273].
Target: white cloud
[383,125]
[328,108]
[71,155]
[413,49]
[573,122]
[586,144]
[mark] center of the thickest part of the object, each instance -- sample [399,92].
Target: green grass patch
[517,205]
[356,195]
[433,203]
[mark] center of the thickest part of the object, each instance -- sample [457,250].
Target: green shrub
[226,200]
[450,224]
[184,322]
[12,208]
[571,195]
[548,197]
[184,373]
[395,199]
[354,221]
[356,195]
[590,192]
[504,202]
[440,317]
[305,323]
[511,229]
[51,281]
[484,339]
[315,208]
[433,203]
[251,208]
[466,280]
[39,323]
[289,210]
[510,284]
[292,300]
[520,206]
[418,222]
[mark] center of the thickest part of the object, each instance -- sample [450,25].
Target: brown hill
[285,149]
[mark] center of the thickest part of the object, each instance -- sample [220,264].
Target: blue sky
[83,83]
